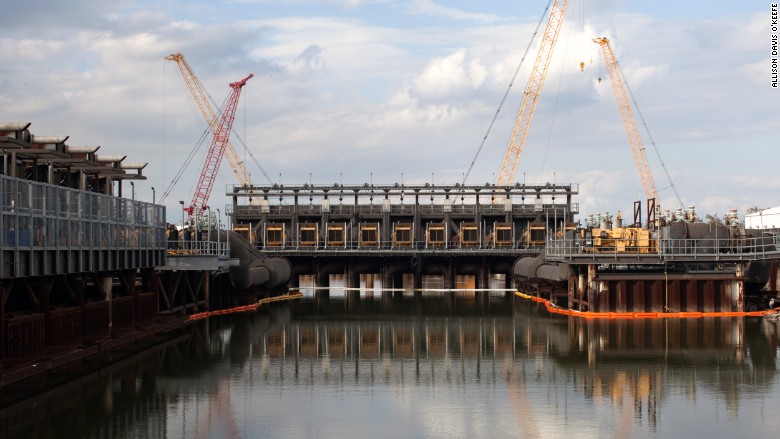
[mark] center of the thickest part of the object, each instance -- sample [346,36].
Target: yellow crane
[201,100]
[531,94]
[616,77]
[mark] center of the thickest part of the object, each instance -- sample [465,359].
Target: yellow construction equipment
[201,100]
[531,94]
[616,77]
[621,240]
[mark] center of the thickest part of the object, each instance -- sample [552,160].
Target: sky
[353,91]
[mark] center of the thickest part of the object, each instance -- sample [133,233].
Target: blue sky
[354,90]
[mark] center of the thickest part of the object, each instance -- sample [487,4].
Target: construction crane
[216,150]
[616,77]
[203,102]
[531,94]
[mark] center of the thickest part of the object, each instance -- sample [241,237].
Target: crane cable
[503,100]
[235,133]
[649,136]
[189,158]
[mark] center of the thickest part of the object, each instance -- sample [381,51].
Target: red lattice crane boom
[216,150]
[202,100]
[531,94]
[616,77]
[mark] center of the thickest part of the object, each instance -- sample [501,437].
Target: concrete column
[418,283]
[572,288]
[582,287]
[451,274]
[593,288]
[738,288]
[105,287]
[387,277]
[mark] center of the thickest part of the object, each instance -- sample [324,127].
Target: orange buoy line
[640,315]
[245,308]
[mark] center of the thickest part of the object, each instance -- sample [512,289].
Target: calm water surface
[439,366]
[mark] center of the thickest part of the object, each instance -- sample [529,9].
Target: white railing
[181,247]
[766,247]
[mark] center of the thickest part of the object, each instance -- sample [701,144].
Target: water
[454,365]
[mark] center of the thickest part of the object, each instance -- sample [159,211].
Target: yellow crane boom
[616,77]
[531,94]
[202,101]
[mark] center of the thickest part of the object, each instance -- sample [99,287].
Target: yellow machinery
[621,240]
[562,232]
[402,235]
[531,94]
[308,235]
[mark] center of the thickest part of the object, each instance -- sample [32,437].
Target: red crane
[216,151]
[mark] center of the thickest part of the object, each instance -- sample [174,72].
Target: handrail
[665,249]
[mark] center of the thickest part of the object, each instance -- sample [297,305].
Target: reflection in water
[442,366]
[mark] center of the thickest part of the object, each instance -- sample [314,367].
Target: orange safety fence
[554,309]
[245,308]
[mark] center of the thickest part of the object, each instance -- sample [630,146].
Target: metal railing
[37,215]
[181,247]
[395,246]
[455,208]
[665,249]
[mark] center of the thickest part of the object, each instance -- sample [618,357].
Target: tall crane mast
[616,77]
[216,150]
[531,94]
[202,101]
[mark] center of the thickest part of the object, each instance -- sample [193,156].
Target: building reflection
[185,387]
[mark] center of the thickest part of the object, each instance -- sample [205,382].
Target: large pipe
[533,269]
[255,270]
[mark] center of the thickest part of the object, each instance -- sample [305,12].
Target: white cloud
[427,7]
[449,76]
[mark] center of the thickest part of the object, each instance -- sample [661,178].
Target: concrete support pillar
[592,288]
[105,286]
[451,275]
[582,288]
[398,284]
[738,288]
[482,277]
[572,288]
[387,277]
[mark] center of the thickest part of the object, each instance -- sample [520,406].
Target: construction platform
[82,268]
